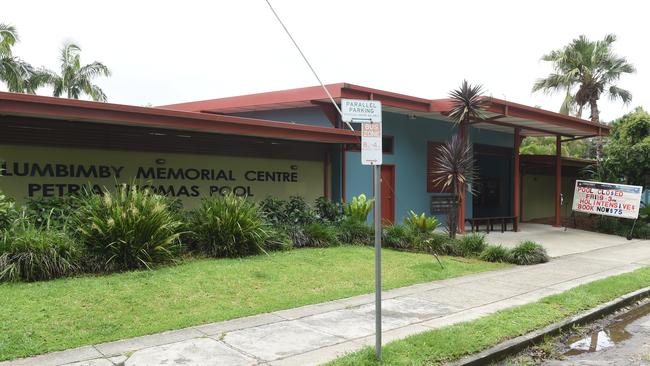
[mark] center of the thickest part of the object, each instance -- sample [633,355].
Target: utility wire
[307,62]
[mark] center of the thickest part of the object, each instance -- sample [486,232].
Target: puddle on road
[608,337]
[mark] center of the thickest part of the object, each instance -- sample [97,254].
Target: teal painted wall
[410,160]
[409,156]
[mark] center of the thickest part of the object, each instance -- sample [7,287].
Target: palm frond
[8,37]
[618,93]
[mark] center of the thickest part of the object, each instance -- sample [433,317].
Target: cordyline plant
[468,104]
[455,168]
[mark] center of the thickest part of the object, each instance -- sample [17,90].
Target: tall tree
[585,70]
[627,151]
[75,79]
[18,75]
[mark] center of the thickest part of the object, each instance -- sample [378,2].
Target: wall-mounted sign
[371,147]
[609,199]
[32,172]
[358,110]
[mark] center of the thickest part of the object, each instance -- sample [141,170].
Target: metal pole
[377,218]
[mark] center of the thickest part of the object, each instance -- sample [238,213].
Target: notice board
[609,199]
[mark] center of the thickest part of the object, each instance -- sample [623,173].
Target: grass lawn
[449,343]
[46,316]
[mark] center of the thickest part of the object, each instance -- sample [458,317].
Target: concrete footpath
[318,333]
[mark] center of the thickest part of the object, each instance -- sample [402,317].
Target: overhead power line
[307,62]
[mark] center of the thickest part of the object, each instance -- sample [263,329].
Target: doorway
[388,194]
[494,186]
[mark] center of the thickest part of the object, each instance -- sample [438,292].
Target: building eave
[26,105]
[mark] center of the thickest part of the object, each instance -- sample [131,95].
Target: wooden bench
[489,222]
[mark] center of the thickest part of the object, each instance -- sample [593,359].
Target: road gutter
[516,345]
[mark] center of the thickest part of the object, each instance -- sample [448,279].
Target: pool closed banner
[609,199]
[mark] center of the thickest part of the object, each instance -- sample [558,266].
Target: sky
[163,52]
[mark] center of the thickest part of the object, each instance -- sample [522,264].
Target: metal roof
[80,111]
[501,115]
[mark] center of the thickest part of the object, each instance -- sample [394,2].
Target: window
[432,151]
[387,145]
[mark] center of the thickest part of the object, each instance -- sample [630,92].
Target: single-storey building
[281,143]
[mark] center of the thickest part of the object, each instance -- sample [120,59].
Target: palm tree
[584,70]
[76,79]
[455,170]
[18,75]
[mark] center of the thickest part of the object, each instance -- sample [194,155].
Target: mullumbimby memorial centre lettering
[609,199]
[59,172]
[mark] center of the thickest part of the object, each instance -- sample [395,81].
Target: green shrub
[328,211]
[274,210]
[295,211]
[495,253]
[641,231]
[31,253]
[278,240]
[129,229]
[471,244]
[229,226]
[359,208]
[53,212]
[644,213]
[437,243]
[608,225]
[320,235]
[8,211]
[398,237]
[421,223]
[297,236]
[528,252]
[355,232]
[298,211]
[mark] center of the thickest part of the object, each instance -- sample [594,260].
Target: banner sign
[609,199]
[371,144]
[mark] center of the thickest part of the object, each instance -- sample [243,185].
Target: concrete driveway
[557,241]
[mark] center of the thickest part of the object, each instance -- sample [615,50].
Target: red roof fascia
[387,98]
[274,97]
[523,111]
[27,105]
[306,95]
[510,109]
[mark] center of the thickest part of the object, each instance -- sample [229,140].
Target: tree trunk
[595,114]
[595,117]
[453,226]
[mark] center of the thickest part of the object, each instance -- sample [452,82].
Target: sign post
[368,113]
